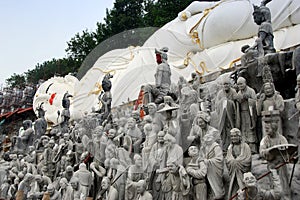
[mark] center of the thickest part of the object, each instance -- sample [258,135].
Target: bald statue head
[241,83]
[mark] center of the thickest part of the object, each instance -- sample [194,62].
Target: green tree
[16,80]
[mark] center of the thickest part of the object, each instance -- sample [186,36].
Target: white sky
[34,31]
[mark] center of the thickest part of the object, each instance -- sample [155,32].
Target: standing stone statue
[246,113]
[197,170]
[85,179]
[65,114]
[162,74]
[213,158]
[27,139]
[105,98]
[110,192]
[238,161]
[262,17]
[40,125]
[226,110]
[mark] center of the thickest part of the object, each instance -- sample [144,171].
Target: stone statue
[27,138]
[262,17]
[246,113]
[174,151]
[105,97]
[74,192]
[238,161]
[212,154]
[147,144]
[142,193]
[109,191]
[65,114]
[118,174]
[269,100]
[157,120]
[176,185]
[162,75]
[52,193]
[135,135]
[226,110]
[135,174]
[253,191]
[197,170]
[272,138]
[40,125]
[85,179]
[200,128]
[157,161]
[63,185]
[24,187]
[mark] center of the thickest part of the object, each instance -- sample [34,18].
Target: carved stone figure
[157,160]
[197,170]
[176,185]
[174,151]
[200,128]
[253,191]
[147,145]
[262,17]
[65,114]
[27,137]
[213,158]
[73,192]
[135,174]
[272,138]
[85,179]
[24,187]
[110,192]
[246,117]
[142,193]
[105,97]
[157,121]
[52,193]
[238,161]
[226,110]
[135,135]
[162,75]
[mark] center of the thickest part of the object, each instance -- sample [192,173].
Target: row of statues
[181,141]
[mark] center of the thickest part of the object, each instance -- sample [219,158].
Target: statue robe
[237,167]
[214,162]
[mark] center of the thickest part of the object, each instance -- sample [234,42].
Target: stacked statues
[180,148]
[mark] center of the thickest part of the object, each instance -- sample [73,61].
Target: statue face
[104,184]
[160,138]
[249,180]
[271,128]
[151,109]
[269,91]
[241,85]
[172,168]
[226,85]
[63,185]
[139,162]
[140,188]
[131,124]
[193,151]
[235,138]
[258,18]
[201,123]
[74,185]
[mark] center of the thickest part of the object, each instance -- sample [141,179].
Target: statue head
[161,55]
[50,189]
[226,84]
[235,136]
[131,123]
[169,139]
[111,133]
[160,137]
[172,167]
[257,15]
[141,187]
[74,182]
[202,119]
[193,151]
[269,89]
[271,119]
[152,108]
[38,178]
[106,83]
[249,180]
[241,83]
[138,160]
[66,100]
[27,124]
[63,183]
[147,128]
[105,184]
